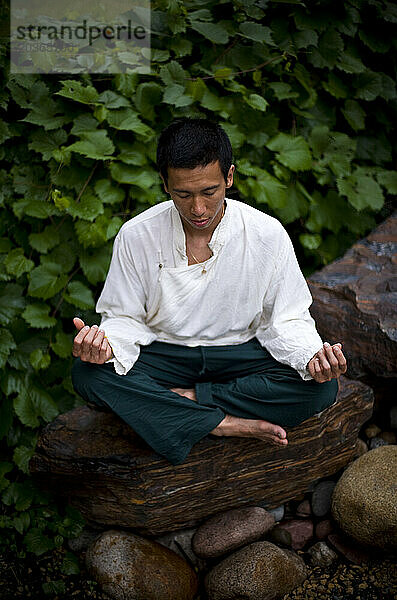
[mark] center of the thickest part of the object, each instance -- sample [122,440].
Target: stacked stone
[254,553]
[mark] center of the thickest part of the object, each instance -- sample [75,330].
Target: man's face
[198,195]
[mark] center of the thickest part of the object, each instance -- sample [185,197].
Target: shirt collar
[218,237]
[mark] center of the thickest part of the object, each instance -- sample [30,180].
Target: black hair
[188,143]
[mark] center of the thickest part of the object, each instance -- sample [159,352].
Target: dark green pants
[243,380]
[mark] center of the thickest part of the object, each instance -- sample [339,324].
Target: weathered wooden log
[113,477]
[355,298]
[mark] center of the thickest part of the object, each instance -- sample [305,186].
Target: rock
[129,567]
[321,498]
[300,530]
[393,417]
[229,530]
[114,478]
[377,442]
[354,298]
[304,509]
[389,437]
[181,543]
[360,449]
[280,536]
[351,552]
[82,542]
[364,500]
[322,555]
[260,571]
[372,430]
[323,529]
[278,512]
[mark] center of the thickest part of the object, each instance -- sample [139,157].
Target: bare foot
[188,393]
[263,430]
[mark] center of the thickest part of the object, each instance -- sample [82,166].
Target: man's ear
[229,182]
[164,183]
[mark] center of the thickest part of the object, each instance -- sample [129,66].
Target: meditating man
[205,324]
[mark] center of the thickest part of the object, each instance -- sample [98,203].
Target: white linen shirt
[252,287]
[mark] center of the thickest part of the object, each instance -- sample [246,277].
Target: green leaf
[354,114]
[45,143]
[256,32]
[7,344]
[76,91]
[305,38]
[172,73]
[328,51]
[335,86]
[12,302]
[5,467]
[46,281]
[70,564]
[19,494]
[361,190]
[292,152]
[92,234]
[349,63]
[37,315]
[143,178]
[62,345]
[21,522]
[389,180]
[39,359]
[94,144]
[33,403]
[95,264]
[369,86]
[17,264]
[174,94]
[127,119]
[257,102]
[214,32]
[84,124]
[283,91]
[38,543]
[79,295]
[108,192]
[88,207]
[147,97]
[21,458]
[112,100]
[311,241]
[44,241]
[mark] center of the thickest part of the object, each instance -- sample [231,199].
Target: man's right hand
[90,344]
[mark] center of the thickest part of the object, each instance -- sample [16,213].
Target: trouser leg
[261,387]
[171,424]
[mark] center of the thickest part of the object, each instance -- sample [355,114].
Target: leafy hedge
[308,98]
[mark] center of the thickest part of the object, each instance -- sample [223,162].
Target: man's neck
[202,237]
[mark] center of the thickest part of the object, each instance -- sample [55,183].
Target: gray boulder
[364,502]
[130,567]
[260,571]
[229,530]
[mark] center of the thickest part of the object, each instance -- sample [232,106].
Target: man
[205,324]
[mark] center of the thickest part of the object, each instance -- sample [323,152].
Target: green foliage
[306,92]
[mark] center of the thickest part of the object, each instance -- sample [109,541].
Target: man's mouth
[202,222]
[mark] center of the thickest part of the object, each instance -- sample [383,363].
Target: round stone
[130,567]
[364,501]
[259,571]
[321,498]
[229,530]
[322,555]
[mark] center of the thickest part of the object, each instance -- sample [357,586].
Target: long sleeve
[287,330]
[122,306]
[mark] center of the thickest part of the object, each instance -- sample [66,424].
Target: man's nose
[198,207]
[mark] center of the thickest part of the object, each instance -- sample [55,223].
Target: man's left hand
[327,363]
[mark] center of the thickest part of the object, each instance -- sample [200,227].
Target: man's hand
[327,363]
[90,344]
